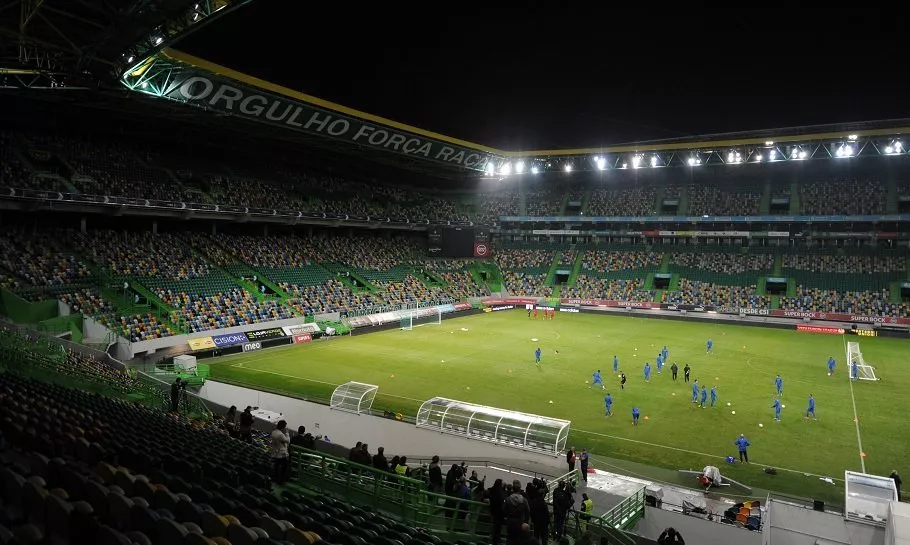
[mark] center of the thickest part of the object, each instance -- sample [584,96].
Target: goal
[864,371]
[419,317]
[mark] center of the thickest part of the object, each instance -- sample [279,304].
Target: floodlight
[636,161]
[691,161]
[568,167]
[769,142]
[490,169]
[758,158]
[505,169]
[730,157]
[534,170]
[519,167]
[772,154]
[654,160]
[158,40]
[803,154]
[601,163]
[130,59]
[625,165]
[851,137]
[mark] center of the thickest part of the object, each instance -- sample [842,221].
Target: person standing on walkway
[584,465]
[570,459]
[743,445]
[897,483]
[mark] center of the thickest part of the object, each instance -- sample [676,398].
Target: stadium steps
[778,264]
[563,205]
[891,205]
[283,295]
[794,198]
[476,272]
[908,268]
[674,283]
[761,287]
[585,200]
[896,291]
[665,263]
[649,282]
[658,204]
[775,302]
[551,274]
[495,281]
[344,275]
[683,208]
[791,287]
[576,267]
[429,279]
[764,206]
[170,174]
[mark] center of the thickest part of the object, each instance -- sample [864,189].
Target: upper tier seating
[639,201]
[694,292]
[722,268]
[843,197]
[494,205]
[205,311]
[845,272]
[40,261]
[136,327]
[141,254]
[723,201]
[619,263]
[523,259]
[544,203]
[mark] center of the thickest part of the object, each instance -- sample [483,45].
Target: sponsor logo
[264,334]
[462,306]
[201,343]
[873,319]
[303,338]
[481,250]
[249,347]
[230,340]
[298,329]
[820,329]
[502,307]
[755,311]
[569,310]
[798,314]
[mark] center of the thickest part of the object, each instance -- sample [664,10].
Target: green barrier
[401,498]
[21,311]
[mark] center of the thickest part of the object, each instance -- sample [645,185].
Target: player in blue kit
[647,372]
[704,396]
[537,356]
[854,371]
[615,365]
[831,365]
[608,404]
[665,354]
[695,391]
[713,395]
[710,346]
[660,363]
[776,406]
[779,383]
[635,415]
[811,409]
[598,380]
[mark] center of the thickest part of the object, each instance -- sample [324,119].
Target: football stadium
[235,313]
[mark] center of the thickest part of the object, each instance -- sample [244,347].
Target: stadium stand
[592,287]
[731,267]
[544,203]
[630,262]
[136,327]
[842,197]
[41,262]
[638,201]
[695,292]
[863,303]
[493,205]
[723,201]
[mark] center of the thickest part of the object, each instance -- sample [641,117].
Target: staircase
[761,287]
[649,282]
[896,291]
[683,208]
[891,205]
[791,287]
[794,198]
[579,256]
[778,264]
[665,263]
[659,193]
[557,260]
[764,206]
[674,283]
[585,200]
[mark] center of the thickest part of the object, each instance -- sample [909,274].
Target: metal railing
[616,523]
[157,394]
[402,498]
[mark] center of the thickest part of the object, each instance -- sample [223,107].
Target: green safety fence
[404,499]
[21,311]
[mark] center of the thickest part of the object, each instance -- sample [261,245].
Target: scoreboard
[460,242]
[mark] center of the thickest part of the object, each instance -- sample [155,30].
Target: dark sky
[531,77]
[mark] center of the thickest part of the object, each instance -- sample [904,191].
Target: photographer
[176,390]
[670,537]
[562,504]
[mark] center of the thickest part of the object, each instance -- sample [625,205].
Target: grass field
[492,363]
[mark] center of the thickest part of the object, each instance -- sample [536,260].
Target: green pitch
[489,359]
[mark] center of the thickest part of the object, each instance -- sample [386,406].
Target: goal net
[864,371]
[419,317]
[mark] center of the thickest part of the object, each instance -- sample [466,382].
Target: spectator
[230,421]
[670,537]
[540,514]
[278,451]
[402,469]
[379,460]
[246,425]
[176,390]
[437,484]
[897,482]
[497,498]
[516,513]
[302,439]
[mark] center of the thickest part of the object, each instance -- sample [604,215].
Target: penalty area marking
[695,452]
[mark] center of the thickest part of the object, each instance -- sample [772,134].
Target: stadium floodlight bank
[864,371]
[508,428]
[354,397]
[421,316]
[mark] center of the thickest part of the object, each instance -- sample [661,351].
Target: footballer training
[490,358]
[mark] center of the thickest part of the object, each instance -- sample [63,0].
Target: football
[732,412]
[761,425]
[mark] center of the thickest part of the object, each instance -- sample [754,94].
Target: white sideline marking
[859,440]
[319,382]
[668,447]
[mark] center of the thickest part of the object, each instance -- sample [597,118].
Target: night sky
[530,77]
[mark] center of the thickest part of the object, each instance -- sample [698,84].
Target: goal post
[864,371]
[420,317]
